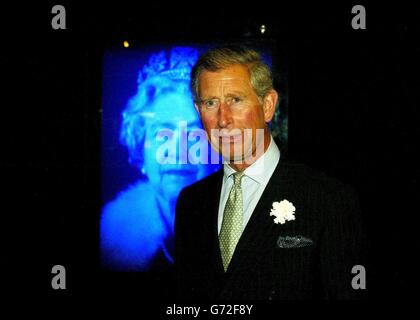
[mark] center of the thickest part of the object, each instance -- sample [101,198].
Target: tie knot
[237,176]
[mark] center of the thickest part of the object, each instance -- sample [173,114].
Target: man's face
[230,105]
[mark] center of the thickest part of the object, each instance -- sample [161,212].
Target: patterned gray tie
[231,229]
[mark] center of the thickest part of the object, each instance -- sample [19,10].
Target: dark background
[353,113]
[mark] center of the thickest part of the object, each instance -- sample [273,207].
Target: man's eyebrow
[230,94]
[235,93]
[209,98]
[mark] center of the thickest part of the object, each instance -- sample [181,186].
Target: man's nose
[225,115]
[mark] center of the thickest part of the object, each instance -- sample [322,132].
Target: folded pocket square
[288,242]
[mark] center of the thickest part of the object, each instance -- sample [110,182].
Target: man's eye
[210,103]
[235,100]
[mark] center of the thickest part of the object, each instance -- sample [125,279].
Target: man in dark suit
[261,228]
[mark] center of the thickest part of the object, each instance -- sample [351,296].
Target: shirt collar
[260,169]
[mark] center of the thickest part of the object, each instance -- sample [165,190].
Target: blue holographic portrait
[136,227]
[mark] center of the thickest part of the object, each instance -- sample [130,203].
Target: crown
[175,64]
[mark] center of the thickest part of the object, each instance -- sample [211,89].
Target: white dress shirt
[253,182]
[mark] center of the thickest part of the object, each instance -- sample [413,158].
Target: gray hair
[220,58]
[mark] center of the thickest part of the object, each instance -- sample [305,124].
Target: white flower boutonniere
[283,211]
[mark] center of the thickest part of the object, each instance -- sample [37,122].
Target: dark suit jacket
[262,268]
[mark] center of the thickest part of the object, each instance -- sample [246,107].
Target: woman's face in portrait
[166,146]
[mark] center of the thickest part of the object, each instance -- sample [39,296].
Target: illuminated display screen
[153,145]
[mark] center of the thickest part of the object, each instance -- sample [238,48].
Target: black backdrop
[353,113]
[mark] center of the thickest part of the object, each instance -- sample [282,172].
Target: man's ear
[269,105]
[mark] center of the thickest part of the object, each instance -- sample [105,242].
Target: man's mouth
[230,138]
